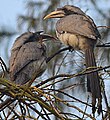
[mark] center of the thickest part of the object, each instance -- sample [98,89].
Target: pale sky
[9,10]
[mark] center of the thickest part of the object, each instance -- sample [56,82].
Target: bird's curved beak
[55,14]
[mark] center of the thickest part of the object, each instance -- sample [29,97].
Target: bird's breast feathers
[76,41]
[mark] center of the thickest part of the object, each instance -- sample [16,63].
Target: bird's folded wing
[29,52]
[77,24]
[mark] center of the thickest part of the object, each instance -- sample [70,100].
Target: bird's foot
[71,49]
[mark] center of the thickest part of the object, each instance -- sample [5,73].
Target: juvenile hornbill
[78,30]
[28,59]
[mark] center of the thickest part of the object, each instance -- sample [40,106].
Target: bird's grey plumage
[28,58]
[78,25]
[70,9]
[78,30]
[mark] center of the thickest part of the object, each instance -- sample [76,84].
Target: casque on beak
[55,14]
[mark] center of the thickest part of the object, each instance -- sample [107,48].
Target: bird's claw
[71,49]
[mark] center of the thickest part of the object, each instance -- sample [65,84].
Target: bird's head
[64,11]
[41,36]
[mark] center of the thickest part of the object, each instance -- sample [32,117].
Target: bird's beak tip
[46,17]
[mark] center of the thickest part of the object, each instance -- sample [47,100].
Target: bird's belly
[76,41]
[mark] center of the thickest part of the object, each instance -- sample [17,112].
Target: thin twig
[106,102]
[35,110]
[71,75]
[103,45]
[85,107]
[103,27]
[72,106]
[70,96]
[4,65]
[70,49]
[23,112]
[6,103]
[45,113]
[57,53]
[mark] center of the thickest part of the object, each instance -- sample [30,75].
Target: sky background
[9,10]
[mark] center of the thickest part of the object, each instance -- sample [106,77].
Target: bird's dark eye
[64,9]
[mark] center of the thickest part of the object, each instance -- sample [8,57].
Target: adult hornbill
[28,59]
[78,30]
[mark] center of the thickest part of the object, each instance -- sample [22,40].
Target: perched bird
[27,61]
[28,57]
[78,30]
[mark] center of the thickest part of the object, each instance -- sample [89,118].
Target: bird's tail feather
[93,82]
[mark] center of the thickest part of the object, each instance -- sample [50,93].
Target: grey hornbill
[78,30]
[28,59]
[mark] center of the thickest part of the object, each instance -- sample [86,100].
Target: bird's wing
[21,40]
[79,25]
[29,52]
